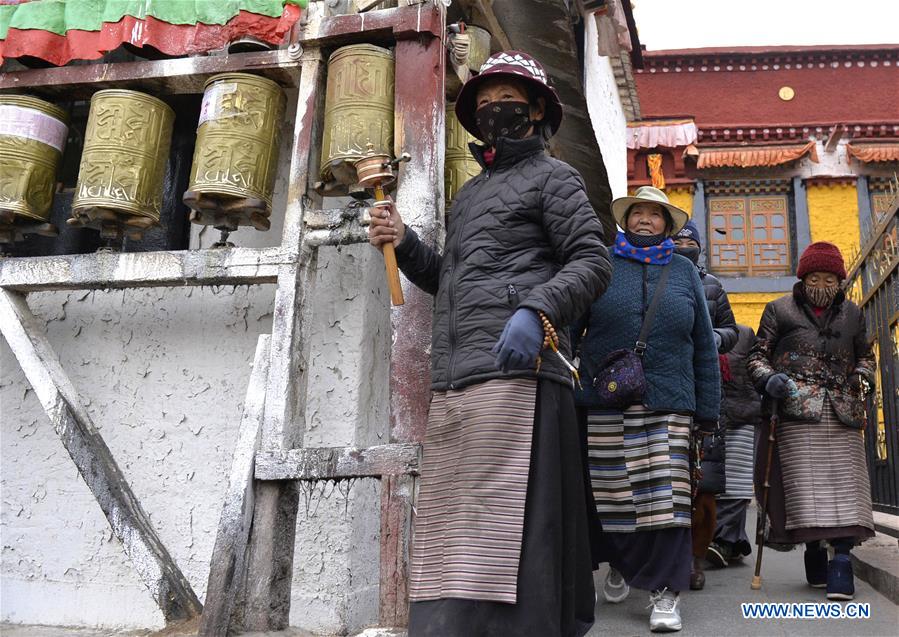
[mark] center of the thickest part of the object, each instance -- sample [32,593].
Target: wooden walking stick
[760,531]
[376,171]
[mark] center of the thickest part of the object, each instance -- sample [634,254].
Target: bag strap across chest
[650,315]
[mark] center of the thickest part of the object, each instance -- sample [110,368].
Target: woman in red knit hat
[814,363]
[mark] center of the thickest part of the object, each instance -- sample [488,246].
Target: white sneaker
[615,589]
[665,617]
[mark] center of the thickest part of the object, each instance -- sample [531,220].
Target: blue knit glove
[779,386]
[718,340]
[520,342]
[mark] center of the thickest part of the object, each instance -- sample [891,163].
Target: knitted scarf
[657,254]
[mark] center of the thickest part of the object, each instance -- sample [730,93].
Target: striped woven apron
[825,473]
[469,517]
[640,469]
[739,462]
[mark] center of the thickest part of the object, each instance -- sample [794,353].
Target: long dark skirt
[732,525]
[555,583]
[650,560]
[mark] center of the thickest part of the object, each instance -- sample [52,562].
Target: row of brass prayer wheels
[126,150]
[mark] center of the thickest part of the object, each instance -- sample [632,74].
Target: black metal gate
[874,285]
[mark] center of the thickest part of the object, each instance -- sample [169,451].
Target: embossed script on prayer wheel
[358,109]
[32,137]
[459,165]
[236,156]
[126,147]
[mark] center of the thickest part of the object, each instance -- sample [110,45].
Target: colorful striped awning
[752,156]
[60,31]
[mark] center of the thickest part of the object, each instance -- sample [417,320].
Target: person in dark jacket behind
[814,361]
[705,512]
[689,244]
[639,454]
[501,542]
[741,416]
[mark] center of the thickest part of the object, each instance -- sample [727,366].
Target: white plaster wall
[606,113]
[163,373]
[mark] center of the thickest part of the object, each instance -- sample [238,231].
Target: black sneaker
[816,567]
[718,554]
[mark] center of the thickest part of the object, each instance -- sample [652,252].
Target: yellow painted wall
[682,198]
[833,216]
[748,306]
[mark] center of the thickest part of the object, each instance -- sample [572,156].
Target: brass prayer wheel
[32,138]
[236,156]
[459,164]
[126,148]
[358,109]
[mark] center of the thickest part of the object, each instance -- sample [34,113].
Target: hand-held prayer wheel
[32,138]
[236,156]
[358,109]
[126,149]
[460,165]
[376,171]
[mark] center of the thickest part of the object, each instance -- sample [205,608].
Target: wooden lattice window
[749,234]
[882,197]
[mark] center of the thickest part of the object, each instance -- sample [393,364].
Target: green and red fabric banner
[59,31]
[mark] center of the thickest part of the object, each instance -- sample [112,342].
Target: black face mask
[691,253]
[503,119]
[644,240]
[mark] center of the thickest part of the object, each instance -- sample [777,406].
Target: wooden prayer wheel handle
[393,272]
[393,275]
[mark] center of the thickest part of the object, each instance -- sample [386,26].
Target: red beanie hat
[821,256]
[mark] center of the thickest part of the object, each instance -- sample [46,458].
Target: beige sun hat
[649,194]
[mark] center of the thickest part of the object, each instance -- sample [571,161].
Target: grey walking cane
[760,531]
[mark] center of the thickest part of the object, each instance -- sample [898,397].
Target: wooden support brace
[105,270]
[396,532]
[163,77]
[338,463]
[229,555]
[264,603]
[130,524]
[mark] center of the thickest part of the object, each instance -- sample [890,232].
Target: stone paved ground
[715,611]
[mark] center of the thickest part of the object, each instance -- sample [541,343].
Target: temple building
[771,148]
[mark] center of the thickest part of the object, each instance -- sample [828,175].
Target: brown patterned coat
[821,354]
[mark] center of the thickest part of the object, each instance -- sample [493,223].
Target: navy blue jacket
[681,361]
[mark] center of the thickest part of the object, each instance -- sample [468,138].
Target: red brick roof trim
[768,59]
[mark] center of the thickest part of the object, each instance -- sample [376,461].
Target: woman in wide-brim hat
[813,361]
[500,534]
[639,453]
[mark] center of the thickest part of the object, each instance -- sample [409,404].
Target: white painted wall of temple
[606,113]
[163,373]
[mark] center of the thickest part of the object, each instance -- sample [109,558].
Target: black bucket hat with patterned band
[516,65]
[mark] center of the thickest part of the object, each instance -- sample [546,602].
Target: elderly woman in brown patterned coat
[814,363]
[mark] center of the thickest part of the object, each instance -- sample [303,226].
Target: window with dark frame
[880,196]
[749,234]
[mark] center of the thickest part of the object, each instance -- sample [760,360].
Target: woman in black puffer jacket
[501,501]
